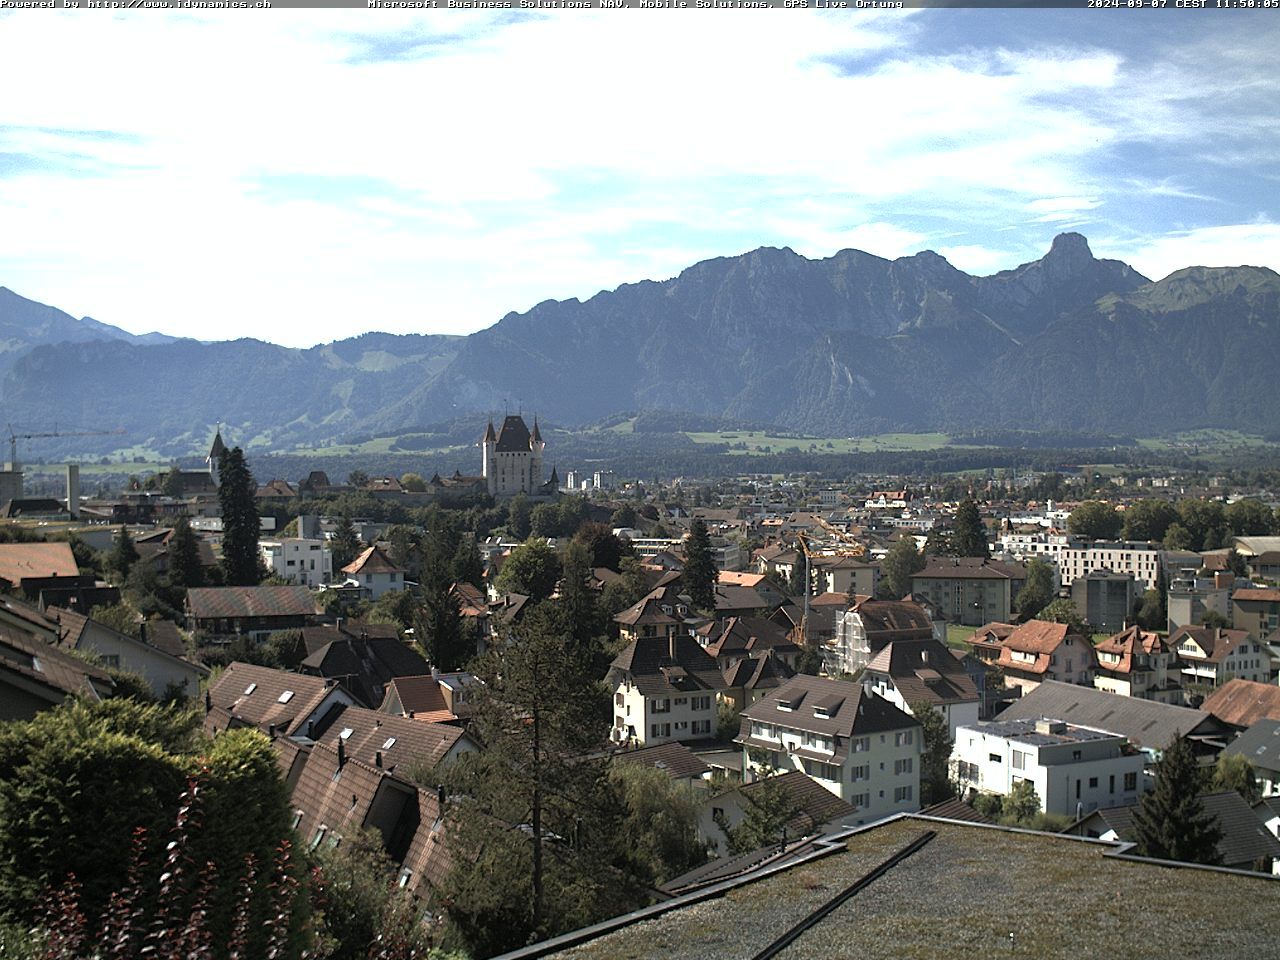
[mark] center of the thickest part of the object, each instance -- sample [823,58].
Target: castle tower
[536,446]
[487,465]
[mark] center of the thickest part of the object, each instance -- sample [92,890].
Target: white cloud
[1244,244]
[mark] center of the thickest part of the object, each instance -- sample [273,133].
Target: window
[860,744]
[1020,760]
[660,705]
[701,703]
[967,771]
[995,758]
[1093,783]
[1112,783]
[903,738]
[862,772]
[1075,754]
[901,794]
[902,766]
[860,800]
[285,697]
[1131,781]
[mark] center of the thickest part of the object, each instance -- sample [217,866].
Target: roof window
[390,742]
[250,688]
[346,733]
[285,697]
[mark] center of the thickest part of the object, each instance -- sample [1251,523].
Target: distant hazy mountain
[847,345]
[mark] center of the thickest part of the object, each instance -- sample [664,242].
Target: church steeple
[216,450]
[537,434]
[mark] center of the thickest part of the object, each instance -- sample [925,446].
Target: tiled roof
[37,661]
[363,667]
[1260,745]
[402,743]
[256,696]
[1146,723]
[1242,703]
[217,603]
[315,638]
[968,568]
[894,616]
[1264,596]
[745,635]
[853,711]
[763,671]
[31,561]
[924,670]
[656,673]
[513,436]
[340,797]
[674,759]
[956,809]
[1214,641]
[420,696]
[648,610]
[372,560]
[1128,644]
[428,860]
[814,803]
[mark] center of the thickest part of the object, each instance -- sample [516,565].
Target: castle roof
[489,434]
[514,435]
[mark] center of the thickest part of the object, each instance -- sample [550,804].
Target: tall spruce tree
[123,556]
[1037,592]
[237,492]
[345,544]
[968,535]
[438,625]
[468,567]
[535,824]
[700,574]
[184,557]
[1170,822]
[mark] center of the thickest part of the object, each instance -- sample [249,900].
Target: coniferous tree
[241,565]
[1170,822]
[468,567]
[535,829]
[579,604]
[344,545]
[123,556]
[968,535]
[439,621]
[184,557]
[700,574]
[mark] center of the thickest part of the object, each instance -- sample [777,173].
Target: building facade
[511,462]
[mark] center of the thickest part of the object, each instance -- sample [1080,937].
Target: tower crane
[15,437]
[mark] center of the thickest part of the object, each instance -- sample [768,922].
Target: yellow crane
[15,437]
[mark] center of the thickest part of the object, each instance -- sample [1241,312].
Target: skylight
[346,733]
[391,742]
[250,688]
[285,697]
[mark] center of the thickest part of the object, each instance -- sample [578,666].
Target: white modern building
[1138,558]
[1075,770]
[308,563]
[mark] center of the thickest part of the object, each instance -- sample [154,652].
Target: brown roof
[401,742]
[31,561]
[648,610]
[1038,637]
[745,635]
[256,696]
[956,809]
[57,670]
[674,759]
[1214,641]
[894,616]
[340,796]
[215,603]
[852,711]
[1128,644]
[1242,703]
[924,670]
[656,673]
[815,804]
[513,436]
[1264,596]
[763,671]
[969,568]
[372,560]
[427,860]
[830,599]
[420,696]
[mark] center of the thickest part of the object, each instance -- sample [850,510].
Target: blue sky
[308,175]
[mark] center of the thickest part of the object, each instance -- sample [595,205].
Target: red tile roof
[256,696]
[217,603]
[29,561]
[1262,595]
[1242,703]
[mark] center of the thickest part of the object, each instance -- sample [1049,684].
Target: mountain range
[852,344]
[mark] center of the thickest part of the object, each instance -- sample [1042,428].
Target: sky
[302,176]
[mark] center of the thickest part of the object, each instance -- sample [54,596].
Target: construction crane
[15,437]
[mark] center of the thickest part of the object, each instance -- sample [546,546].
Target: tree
[935,754]
[172,486]
[1153,612]
[237,497]
[1249,518]
[659,830]
[1177,537]
[1204,521]
[534,824]
[938,543]
[413,482]
[395,607]
[1063,610]
[606,550]
[519,517]
[898,565]
[544,521]
[123,555]
[185,570]
[345,543]
[357,478]
[1170,822]
[1037,592]
[1214,620]
[438,626]
[700,573]
[468,566]
[1235,772]
[624,516]
[767,809]
[1095,520]
[586,625]
[532,569]
[1148,519]
[1022,804]
[1236,564]
[624,593]
[968,535]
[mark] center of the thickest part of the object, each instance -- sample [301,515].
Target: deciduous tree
[898,565]
[1095,520]
[1037,592]
[532,569]
[935,754]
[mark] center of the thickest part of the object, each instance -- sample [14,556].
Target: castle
[512,460]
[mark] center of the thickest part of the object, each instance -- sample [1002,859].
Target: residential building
[1256,610]
[866,627]
[1191,596]
[1147,724]
[1039,650]
[1242,703]
[35,676]
[660,613]
[221,614]
[363,666]
[1104,599]
[167,672]
[847,575]
[857,745]
[1042,544]
[910,672]
[676,760]
[1141,559]
[739,638]
[752,678]
[273,701]
[812,804]
[970,590]
[1138,663]
[664,688]
[1260,745]
[374,573]
[305,562]
[1073,769]
[1210,656]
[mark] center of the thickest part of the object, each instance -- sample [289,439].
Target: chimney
[377,759]
[311,729]
[410,714]
[440,795]
[208,702]
[271,730]
[73,490]
[342,754]
[671,645]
